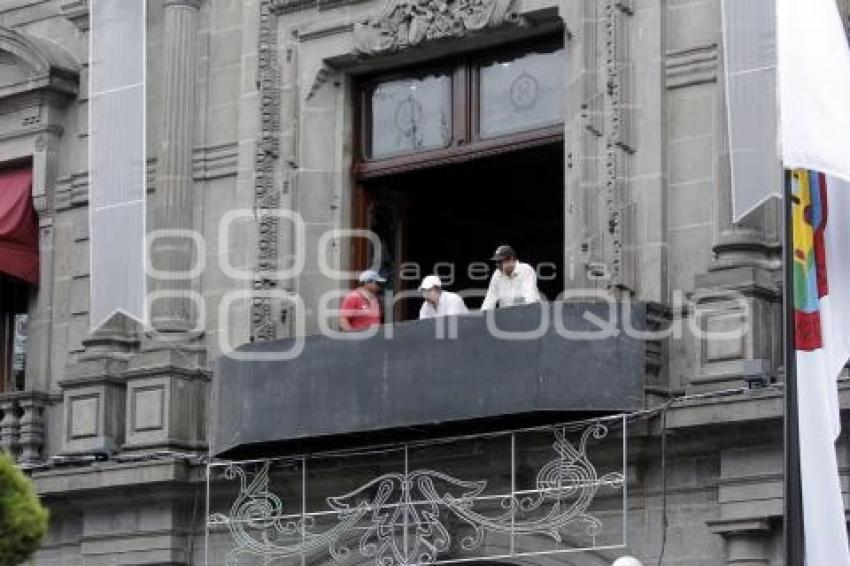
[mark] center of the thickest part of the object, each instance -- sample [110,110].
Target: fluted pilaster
[172,310]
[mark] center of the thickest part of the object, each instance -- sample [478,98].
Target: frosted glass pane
[522,92]
[411,115]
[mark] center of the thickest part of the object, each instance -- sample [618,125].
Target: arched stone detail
[29,63]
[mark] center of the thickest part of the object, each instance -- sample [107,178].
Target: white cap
[627,561]
[371,276]
[430,282]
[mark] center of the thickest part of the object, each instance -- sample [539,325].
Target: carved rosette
[407,23]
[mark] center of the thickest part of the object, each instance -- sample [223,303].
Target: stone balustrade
[22,424]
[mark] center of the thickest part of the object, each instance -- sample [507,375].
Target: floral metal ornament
[411,518]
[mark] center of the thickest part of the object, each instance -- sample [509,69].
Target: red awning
[18,226]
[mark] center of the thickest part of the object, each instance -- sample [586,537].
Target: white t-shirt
[448,304]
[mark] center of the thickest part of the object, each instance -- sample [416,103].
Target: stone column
[173,210]
[166,381]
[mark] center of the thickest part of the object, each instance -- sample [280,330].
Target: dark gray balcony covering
[340,393]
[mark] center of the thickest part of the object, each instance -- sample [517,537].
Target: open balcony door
[385,214]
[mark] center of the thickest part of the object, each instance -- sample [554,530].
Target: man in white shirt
[438,302]
[513,282]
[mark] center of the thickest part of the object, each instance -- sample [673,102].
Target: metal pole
[793,487]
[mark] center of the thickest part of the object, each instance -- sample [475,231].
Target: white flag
[822,304]
[117,192]
[814,86]
[792,54]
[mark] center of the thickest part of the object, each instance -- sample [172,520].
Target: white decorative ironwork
[407,518]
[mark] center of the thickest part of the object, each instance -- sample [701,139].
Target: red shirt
[360,311]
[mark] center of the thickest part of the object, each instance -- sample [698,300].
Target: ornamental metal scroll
[425,516]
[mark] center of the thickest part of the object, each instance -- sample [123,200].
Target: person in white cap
[438,302]
[360,308]
[513,282]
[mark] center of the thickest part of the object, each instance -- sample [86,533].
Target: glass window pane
[411,115]
[522,92]
[19,360]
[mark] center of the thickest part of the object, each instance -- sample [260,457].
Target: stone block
[92,421]
[79,303]
[165,410]
[690,160]
[693,24]
[80,254]
[725,348]
[83,410]
[691,112]
[224,85]
[690,203]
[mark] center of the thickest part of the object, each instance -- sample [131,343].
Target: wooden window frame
[466,144]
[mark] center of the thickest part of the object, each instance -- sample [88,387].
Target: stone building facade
[274,97]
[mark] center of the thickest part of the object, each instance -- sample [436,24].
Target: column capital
[749,527]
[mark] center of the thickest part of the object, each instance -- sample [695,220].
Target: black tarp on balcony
[412,383]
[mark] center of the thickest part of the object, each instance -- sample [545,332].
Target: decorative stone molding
[618,146]
[213,162]
[592,107]
[324,73]
[406,23]
[289,6]
[266,197]
[692,66]
[191,4]
[746,540]
[41,66]
[77,11]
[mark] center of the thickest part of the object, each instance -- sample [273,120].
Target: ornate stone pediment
[406,23]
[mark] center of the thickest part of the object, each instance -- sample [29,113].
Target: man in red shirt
[360,308]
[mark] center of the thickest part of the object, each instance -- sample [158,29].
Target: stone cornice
[77,11]
[99,476]
[736,407]
[740,527]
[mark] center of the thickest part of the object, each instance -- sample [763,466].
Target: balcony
[22,425]
[530,365]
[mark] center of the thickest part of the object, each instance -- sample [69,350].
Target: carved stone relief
[618,145]
[405,23]
[266,197]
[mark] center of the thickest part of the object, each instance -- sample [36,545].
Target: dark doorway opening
[447,219]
